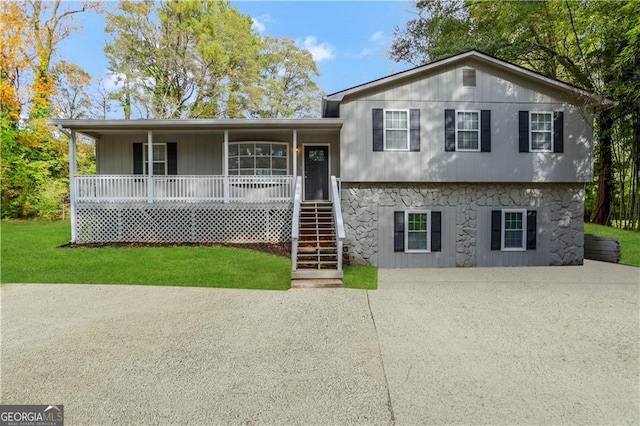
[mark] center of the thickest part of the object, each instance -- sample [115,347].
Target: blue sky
[348,39]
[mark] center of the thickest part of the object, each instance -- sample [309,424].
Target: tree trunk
[602,212]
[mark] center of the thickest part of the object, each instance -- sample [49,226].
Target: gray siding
[503,94]
[201,154]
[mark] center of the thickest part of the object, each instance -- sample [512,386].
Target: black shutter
[172,158]
[414,130]
[496,230]
[138,159]
[398,231]
[436,231]
[523,130]
[485,131]
[558,131]
[378,129]
[532,229]
[449,130]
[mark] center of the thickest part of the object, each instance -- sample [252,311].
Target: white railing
[295,223]
[337,212]
[119,188]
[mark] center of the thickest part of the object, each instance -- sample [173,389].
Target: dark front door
[316,172]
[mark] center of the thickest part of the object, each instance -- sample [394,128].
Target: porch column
[150,166]
[295,162]
[72,184]
[295,154]
[225,167]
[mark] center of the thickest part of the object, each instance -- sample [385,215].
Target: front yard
[30,254]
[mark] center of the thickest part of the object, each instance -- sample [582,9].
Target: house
[466,161]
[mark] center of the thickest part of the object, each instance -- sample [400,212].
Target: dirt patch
[278,249]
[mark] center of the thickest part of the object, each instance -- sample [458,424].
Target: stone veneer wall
[360,203]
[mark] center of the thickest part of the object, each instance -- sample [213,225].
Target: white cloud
[319,51]
[259,23]
[112,81]
[377,36]
[364,52]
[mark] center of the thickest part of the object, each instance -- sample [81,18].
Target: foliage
[196,59]
[286,88]
[30,254]
[592,44]
[629,241]
[182,59]
[34,159]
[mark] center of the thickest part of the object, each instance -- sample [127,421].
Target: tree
[182,59]
[72,100]
[34,161]
[286,87]
[575,41]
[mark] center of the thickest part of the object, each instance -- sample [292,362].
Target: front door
[316,172]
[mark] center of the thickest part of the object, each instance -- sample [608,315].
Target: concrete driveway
[439,346]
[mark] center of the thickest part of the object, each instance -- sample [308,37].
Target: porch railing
[121,188]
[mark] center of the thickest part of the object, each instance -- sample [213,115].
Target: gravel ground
[439,346]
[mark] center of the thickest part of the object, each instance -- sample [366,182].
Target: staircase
[317,256]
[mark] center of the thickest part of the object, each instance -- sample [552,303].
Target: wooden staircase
[317,257]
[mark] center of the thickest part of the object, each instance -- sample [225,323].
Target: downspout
[72,179]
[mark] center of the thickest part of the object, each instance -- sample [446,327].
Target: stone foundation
[562,222]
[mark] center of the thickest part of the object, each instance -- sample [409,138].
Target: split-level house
[466,161]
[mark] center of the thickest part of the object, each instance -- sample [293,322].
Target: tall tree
[286,88]
[182,59]
[72,100]
[34,166]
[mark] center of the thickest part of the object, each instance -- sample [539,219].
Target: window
[514,225]
[514,229]
[159,159]
[396,130]
[541,131]
[258,158]
[467,131]
[417,231]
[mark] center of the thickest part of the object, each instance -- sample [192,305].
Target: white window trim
[531,149]
[406,231]
[465,130]
[145,160]
[285,144]
[524,230]
[384,129]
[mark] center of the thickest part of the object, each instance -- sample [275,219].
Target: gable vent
[469,77]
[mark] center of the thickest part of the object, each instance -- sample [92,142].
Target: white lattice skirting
[170,223]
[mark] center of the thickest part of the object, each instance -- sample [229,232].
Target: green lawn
[30,253]
[629,241]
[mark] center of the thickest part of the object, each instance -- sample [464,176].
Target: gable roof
[598,102]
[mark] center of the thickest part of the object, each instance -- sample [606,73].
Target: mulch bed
[278,249]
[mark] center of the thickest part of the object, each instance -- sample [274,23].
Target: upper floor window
[541,131]
[258,158]
[396,130]
[468,131]
[159,159]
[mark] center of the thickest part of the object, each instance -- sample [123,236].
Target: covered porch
[198,164]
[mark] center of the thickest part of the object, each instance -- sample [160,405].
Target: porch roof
[95,128]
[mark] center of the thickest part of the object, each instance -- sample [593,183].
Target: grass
[629,241]
[30,253]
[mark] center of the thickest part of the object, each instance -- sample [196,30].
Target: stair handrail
[295,223]
[337,214]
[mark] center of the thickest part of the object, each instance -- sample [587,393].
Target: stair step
[315,274]
[317,283]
